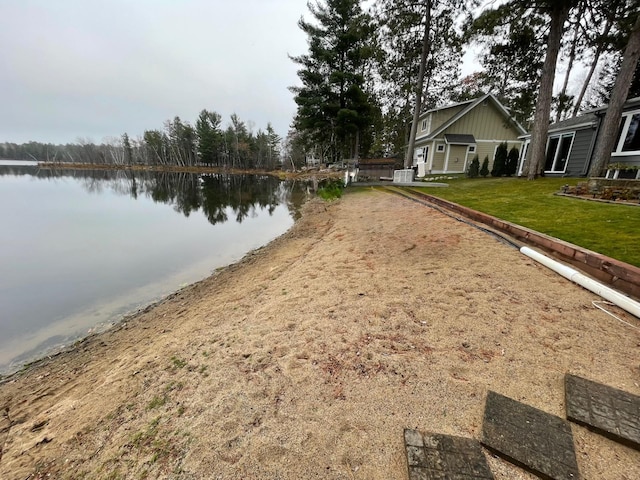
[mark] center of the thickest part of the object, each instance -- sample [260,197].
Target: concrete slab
[614,413]
[536,440]
[398,184]
[436,457]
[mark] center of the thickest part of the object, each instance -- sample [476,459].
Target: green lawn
[612,230]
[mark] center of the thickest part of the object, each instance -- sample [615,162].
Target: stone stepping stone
[612,412]
[536,440]
[440,457]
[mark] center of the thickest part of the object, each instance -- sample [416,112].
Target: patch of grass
[610,229]
[330,189]
[171,386]
[157,401]
[144,437]
[178,362]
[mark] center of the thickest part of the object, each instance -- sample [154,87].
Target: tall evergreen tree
[558,12]
[334,106]
[273,147]
[512,42]
[209,136]
[128,150]
[500,161]
[605,27]
[611,122]
[418,62]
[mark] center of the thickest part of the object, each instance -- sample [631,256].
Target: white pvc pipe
[569,273]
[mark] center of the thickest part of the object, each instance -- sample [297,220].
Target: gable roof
[470,105]
[451,105]
[459,138]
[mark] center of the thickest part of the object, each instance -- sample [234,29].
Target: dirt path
[308,358]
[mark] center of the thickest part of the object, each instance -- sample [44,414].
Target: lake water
[78,249]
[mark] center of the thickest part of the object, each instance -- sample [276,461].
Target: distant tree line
[178,143]
[217,195]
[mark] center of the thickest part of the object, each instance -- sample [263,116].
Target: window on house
[629,134]
[426,124]
[472,148]
[440,147]
[558,150]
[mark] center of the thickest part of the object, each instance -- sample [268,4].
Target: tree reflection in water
[218,195]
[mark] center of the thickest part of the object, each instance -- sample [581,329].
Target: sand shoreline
[308,357]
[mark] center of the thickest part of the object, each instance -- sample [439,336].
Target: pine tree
[334,105]
[209,136]
[611,122]
[128,150]
[513,51]
[500,161]
[474,168]
[512,162]
[418,62]
[484,170]
[556,12]
[605,27]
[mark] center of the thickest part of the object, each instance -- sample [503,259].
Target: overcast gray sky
[91,68]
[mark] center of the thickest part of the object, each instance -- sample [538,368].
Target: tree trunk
[543,105]
[426,46]
[587,81]
[572,57]
[607,134]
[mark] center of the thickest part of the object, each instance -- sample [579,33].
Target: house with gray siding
[570,143]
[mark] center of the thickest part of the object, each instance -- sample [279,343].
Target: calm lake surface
[78,249]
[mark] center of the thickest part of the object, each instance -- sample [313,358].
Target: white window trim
[439,147]
[615,172]
[555,157]
[471,149]
[617,151]
[430,153]
[446,158]
[524,149]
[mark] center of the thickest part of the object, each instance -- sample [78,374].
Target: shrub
[474,168]
[330,190]
[484,170]
[500,161]
[512,162]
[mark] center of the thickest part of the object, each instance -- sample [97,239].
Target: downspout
[569,273]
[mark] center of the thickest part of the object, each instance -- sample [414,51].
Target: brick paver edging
[620,275]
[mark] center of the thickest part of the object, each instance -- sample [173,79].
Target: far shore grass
[610,229]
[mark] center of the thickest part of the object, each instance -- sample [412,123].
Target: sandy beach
[309,357]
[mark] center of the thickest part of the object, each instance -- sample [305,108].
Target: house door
[422,162]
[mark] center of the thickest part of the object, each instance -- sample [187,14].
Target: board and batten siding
[484,122]
[582,144]
[438,161]
[441,116]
